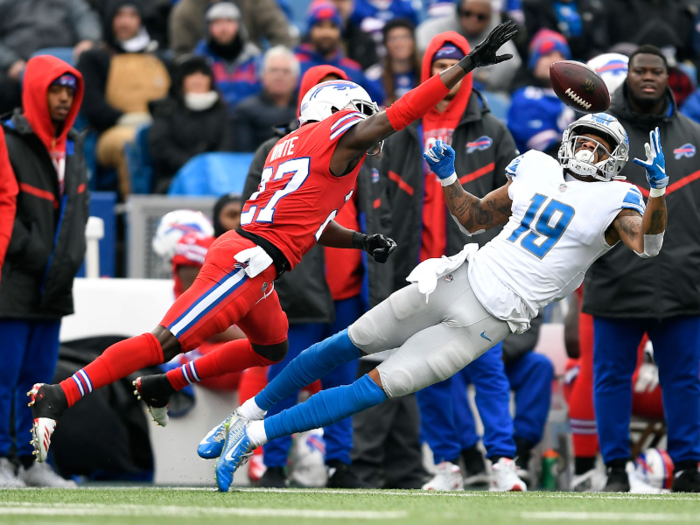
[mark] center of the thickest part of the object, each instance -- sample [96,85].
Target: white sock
[251,410]
[256,433]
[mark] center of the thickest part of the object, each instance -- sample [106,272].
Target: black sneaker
[155,390]
[341,476]
[474,467]
[617,480]
[523,453]
[274,478]
[48,402]
[687,480]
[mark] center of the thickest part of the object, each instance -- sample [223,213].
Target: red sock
[252,382]
[234,356]
[119,360]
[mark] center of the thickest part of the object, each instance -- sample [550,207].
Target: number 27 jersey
[556,231]
[298,196]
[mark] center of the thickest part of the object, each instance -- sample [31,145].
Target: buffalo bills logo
[375,175]
[687,150]
[480,144]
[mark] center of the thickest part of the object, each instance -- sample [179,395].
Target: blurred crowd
[179,78]
[175,79]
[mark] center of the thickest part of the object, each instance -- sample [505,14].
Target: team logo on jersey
[375,175]
[449,278]
[562,188]
[686,150]
[480,144]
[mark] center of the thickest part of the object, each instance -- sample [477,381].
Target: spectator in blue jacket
[371,15]
[537,118]
[324,48]
[234,58]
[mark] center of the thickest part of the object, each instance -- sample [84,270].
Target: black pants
[387,452]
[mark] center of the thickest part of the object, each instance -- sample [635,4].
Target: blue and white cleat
[213,443]
[237,451]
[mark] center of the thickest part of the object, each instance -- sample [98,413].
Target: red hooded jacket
[40,72]
[8,198]
[440,126]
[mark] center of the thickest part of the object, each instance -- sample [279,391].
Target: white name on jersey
[283,149]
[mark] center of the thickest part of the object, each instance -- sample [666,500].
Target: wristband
[657,192]
[358,240]
[449,181]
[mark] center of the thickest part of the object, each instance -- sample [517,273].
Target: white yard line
[91,509]
[609,516]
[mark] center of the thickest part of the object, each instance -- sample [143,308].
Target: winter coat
[483,148]
[29,25]
[303,292]
[622,284]
[178,134]
[8,198]
[262,18]
[47,246]
[255,118]
[236,79]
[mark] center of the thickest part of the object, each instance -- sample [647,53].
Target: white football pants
[435,339]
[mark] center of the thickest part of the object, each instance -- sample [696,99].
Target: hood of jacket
[458,104]
[620,106]
[40,72]
[313,76]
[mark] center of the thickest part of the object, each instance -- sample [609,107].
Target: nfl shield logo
[562,188]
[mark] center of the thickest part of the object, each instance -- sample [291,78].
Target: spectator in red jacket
[8,198]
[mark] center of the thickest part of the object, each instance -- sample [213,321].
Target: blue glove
[655,164]
[441,159]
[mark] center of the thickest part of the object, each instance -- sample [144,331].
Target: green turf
[146,506]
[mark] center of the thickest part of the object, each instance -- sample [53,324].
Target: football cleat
[505,477]
[48,403]
[237,451]
[590,481]
[213,443]
[146,390]
[448,477]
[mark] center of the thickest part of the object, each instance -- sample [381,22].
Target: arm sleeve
[8,198]
[99,113]
[270,22]
[85,21]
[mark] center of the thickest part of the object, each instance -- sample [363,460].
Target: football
[579,87]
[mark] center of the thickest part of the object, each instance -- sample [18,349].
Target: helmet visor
[581,144]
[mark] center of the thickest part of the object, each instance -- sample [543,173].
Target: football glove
[485,53]
[655,164]
[441,159]
[377,245]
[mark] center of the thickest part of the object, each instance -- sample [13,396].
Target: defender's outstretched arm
[475,215]
[419,100]
[645,234]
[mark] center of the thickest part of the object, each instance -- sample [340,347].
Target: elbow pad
[463,229]
[652,245]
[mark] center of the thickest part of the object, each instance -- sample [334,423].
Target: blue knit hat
[324,11]
[545,42]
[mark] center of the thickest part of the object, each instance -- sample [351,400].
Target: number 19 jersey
[556,231]
[298,196]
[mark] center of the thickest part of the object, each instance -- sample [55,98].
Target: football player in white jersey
[559,218]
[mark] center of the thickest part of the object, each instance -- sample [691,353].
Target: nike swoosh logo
[483,334]
[662,169]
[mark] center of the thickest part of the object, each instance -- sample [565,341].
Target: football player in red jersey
[308,177]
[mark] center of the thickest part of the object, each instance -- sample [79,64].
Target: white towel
[427,273]
[256,260]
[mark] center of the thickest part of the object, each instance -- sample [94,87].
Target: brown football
[579,87]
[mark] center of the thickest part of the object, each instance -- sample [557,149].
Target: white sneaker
[591,481]
[42,475]
[505,477]
[448,477]
[638,485]
[8,479]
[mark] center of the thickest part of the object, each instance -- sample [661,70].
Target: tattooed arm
[640,232]
[477,215]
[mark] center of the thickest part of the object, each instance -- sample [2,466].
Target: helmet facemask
[368,109]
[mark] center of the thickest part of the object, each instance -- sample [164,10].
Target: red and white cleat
[146,390]
[43,427]
[505,477]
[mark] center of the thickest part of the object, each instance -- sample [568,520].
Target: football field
[197,506]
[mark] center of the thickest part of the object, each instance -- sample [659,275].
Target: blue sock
[312,364]
[325,408]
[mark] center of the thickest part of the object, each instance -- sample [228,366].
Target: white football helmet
[612,68]
[581,162]
[326,98]
[174,226]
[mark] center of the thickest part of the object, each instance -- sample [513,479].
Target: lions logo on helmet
[581,162]
[174,226]
[327,98]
